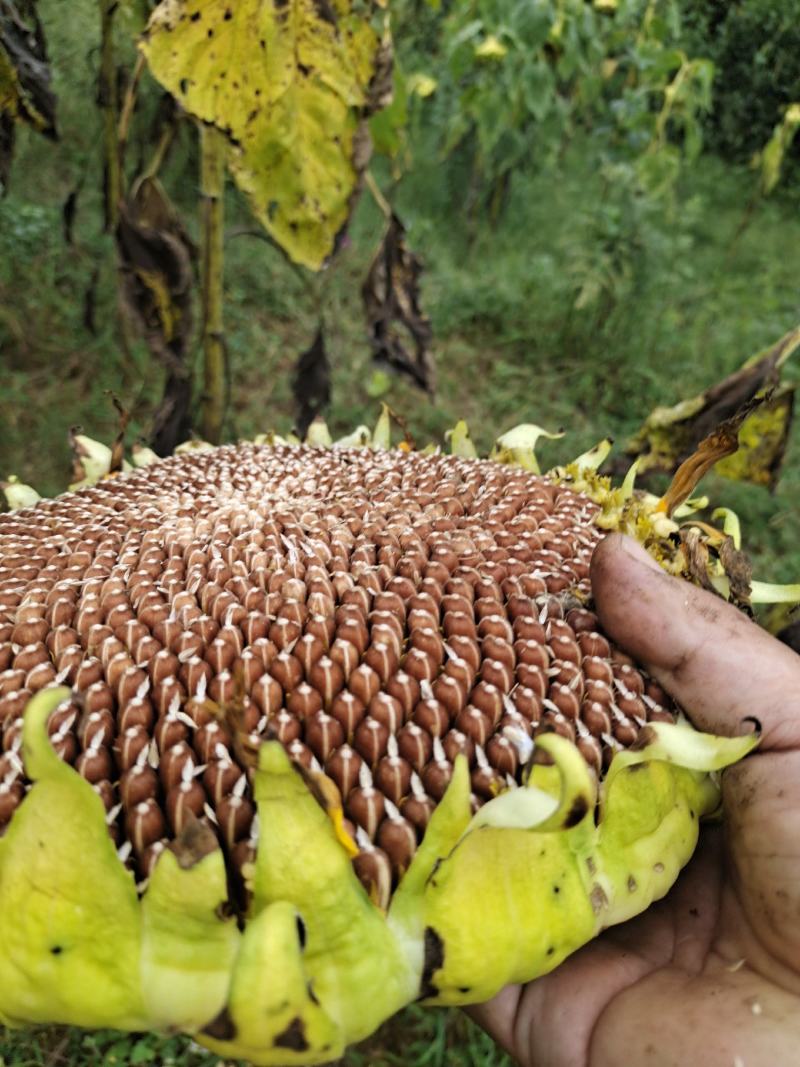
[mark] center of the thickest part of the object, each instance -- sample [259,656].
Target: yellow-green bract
[501,896]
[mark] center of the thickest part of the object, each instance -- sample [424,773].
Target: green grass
[418,1036]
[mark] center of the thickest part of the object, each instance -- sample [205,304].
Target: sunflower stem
[212,184]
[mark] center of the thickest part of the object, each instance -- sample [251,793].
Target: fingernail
[750,725]
[636,552]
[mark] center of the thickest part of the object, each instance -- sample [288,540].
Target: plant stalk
[212,185]
[109,105]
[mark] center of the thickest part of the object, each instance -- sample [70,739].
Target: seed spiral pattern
[378,612]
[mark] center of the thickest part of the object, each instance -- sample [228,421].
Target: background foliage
[576,178]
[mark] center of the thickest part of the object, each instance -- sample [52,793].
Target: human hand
[711,974]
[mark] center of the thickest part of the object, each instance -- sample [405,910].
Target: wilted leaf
[705,550]
[399,331]
[670,435]
[724,441]
[290,83]
[156,265]
[156,262]
[25,92]
[695,554]
[762,441]
[739,572]
[311,383]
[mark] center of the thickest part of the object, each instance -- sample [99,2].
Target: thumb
[718,665]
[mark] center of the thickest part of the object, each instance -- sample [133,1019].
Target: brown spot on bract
[222,1028]
[631,884]
[433,961]
[646,737]
[576,813]
[195,841]
[598,898]
[293,1037]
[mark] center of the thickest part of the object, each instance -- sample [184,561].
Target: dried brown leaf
[739,572]
[400,332]
[156,263]
[722,442]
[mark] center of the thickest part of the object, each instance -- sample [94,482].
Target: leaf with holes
[290,83]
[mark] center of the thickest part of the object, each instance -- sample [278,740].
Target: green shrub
[755,47]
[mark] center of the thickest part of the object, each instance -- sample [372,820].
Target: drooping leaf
[290,83]
[399,331]
[156,257]
[311,383]
[670,435]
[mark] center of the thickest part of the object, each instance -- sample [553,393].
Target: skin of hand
[710,975]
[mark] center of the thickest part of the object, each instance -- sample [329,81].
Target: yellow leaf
[491,48]
[762,441]
[422,85]
[289,84]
